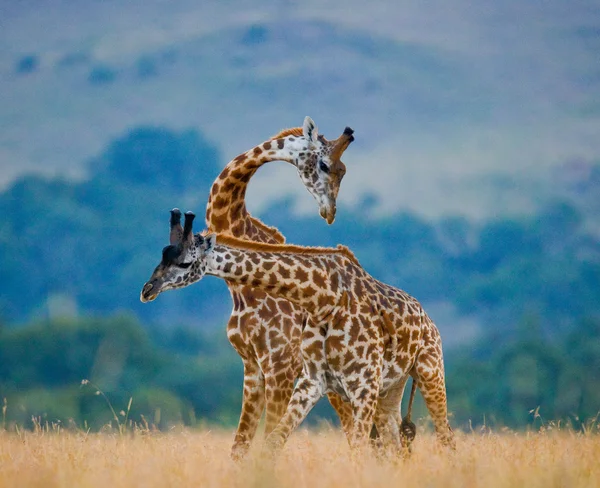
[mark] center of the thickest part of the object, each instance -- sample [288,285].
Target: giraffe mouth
[148,293]
[328,213]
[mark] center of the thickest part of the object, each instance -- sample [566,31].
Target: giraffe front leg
[306,394]
[253,403]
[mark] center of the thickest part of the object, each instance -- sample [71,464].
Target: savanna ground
[549,457]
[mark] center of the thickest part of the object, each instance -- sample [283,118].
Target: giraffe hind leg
[344,411]
[429,373]
[364,396]
[387,419]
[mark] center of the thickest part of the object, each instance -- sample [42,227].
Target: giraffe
[268,340]
[364,339]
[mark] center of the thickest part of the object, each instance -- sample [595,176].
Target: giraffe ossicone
[365,338]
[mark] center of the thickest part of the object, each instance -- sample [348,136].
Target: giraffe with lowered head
[266,333]
[364,339]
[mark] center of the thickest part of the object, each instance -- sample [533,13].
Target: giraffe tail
[407,427]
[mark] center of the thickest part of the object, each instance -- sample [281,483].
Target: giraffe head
[320,167]
[182,261]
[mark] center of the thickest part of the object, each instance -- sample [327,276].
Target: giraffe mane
[294,131]
[235,242]
[273,231]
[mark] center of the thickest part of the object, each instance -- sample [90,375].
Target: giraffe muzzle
[327,212]
[148,293]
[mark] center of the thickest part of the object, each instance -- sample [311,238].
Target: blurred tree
[511,379]
[27,64]
[158,157]
[96,241]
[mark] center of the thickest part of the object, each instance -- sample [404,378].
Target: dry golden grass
[311,459]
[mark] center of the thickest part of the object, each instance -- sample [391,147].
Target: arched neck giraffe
[269,342]
[363,341]
[319,167]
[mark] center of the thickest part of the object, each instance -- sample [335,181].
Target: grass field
[311,459]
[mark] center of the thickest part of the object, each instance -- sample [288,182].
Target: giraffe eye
[323,167]
[185,265]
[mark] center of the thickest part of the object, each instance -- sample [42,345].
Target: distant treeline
[87,247]
[189,376]
[84,249]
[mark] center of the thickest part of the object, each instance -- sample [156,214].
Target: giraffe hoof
[239,451]
[273,445]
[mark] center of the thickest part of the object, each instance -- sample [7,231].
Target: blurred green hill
[186,375]
[69,251]
[79,248]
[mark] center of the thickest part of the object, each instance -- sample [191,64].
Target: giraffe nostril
[149,293]
[147,288]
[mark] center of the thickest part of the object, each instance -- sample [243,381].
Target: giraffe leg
[429,374]
[279,386]
[389,435]
[363,392]
[308,390]
[252,408]
[306,394]
[387,418]
[364,413]
[344,411]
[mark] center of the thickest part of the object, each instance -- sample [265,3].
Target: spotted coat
[268,338]
[362,342]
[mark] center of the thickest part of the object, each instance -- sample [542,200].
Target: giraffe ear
[310,130]
[209,243]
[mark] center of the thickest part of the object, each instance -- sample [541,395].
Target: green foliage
[92,241]
[158,157]
[503,384]
[86,248]
[43,365]
[186,376]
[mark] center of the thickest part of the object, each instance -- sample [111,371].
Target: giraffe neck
[311,281]
[226,210]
